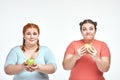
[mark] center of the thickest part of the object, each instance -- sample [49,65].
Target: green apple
[30,61]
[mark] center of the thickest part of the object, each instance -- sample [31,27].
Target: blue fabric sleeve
[49,58]
[11,57]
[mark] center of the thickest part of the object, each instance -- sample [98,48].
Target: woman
[43,60]
[87,58]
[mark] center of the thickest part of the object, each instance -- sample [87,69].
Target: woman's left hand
[92,51]
[32,68]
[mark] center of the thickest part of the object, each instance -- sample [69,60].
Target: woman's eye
[28,33]
[34,33]
[91,29]
[83,29]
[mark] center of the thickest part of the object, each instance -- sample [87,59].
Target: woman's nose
[31,36]
[88,31]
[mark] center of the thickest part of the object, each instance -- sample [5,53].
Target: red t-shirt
[86,68]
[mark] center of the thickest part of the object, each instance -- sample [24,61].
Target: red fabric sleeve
[105,50]
[70,49]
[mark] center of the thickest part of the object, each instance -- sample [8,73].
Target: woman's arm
[13,69]
[47,68]
[103,64]
[69,61]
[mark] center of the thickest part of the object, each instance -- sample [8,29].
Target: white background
[59,24]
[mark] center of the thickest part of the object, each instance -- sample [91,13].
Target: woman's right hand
[80,52]
[26,67]
[30,68]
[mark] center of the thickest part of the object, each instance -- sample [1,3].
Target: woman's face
[31,36]
[88,31]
